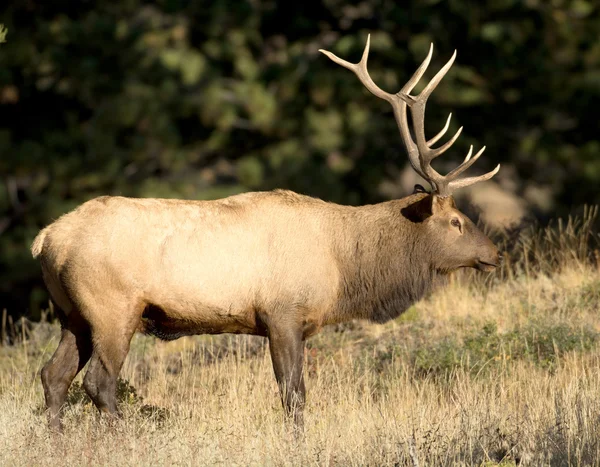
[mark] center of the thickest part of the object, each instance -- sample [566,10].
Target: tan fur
[213,262]
[38,243]
[219,263]
[276,264]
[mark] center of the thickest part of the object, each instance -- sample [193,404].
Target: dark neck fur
[383,263]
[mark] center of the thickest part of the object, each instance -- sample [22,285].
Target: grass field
[492,369]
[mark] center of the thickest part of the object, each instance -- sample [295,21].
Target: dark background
[204,99]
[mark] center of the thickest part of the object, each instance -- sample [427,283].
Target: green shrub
[540,343]
[126,394]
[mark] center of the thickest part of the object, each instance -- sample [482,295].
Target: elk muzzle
[489,264]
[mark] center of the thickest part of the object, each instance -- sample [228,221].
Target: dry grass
[490,370]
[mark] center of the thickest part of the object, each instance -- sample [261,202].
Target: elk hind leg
[70,357]
[111,339]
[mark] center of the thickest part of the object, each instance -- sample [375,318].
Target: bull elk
[275,264]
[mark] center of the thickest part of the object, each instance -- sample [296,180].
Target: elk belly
[170,326]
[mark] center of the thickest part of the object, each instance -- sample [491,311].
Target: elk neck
[384,262]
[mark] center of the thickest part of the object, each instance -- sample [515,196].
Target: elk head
[455,241]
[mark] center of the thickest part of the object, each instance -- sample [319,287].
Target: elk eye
[455,223]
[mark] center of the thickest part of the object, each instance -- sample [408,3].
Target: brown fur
[276,264]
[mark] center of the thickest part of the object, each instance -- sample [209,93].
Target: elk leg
[100,381]
[110,347]
[70,357]
[287,354]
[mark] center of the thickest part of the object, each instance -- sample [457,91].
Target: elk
[275,264]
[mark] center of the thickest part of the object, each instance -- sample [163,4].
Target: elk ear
[419,189]
[439,204]
[419,210]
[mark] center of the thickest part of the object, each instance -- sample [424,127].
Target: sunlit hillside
[491,369]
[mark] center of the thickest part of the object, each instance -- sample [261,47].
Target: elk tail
[38,243]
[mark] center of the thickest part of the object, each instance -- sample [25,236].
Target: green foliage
[3,32]
[200,100]
[480,351]
[126,394]
[409,316]
[128,399]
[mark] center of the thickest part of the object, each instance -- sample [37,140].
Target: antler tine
[441,133]
[444,147]
[468,162]
[468,156]
[468,181]
[360,69]
[425,93]
[417,75]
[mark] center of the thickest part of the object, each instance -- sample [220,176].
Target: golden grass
[484,372]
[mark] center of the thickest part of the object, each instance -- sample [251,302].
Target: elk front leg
[287,354]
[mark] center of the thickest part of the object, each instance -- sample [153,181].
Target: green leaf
[250,171]
[192,67]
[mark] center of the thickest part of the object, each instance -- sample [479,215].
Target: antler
[421,153]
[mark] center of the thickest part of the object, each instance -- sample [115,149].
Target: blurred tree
[204,99]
